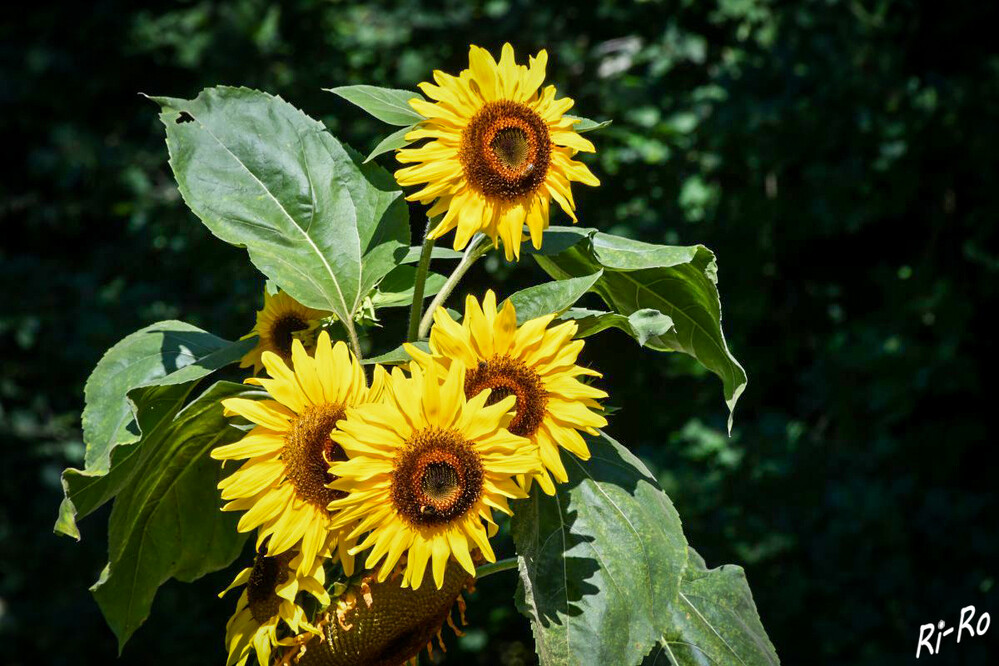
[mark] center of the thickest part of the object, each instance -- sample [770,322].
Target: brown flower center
[267,573]
[509,376]
[505,150]
[308,452]
[282,333]
[437,478]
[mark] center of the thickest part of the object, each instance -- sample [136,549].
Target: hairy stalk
[355,343]
[496,567]
[419,287]
[478,247]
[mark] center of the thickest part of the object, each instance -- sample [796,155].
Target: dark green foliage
[838,157]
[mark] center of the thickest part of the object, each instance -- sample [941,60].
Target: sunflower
[272,585]
[382,623]
[282,485]
[282,320]
[500,150]
[534,363]
[425,469]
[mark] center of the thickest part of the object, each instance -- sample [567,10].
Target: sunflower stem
[419,286]
[496,567]
[478,247]
[355,343]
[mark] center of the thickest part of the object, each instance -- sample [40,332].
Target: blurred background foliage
[839,156]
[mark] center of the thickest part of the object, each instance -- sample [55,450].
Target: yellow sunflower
[282,485]
[500,150]
[268,601]
[534,363]
[425,469]
[282,320]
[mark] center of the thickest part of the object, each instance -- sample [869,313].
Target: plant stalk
[419,287]
[496,567]
[478,247]
[355,343]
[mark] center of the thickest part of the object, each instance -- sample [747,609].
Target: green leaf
[396,290]
[263,175]
[600,562]
[168,353]
[393,141]
[86,490]
[642,325]
[389,105]
[166,522]
[587,125]
[397,355]
[413,254]
[679,282]
[714,621]
[551,297]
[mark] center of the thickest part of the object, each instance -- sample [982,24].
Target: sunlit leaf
[389,105]
[263,175]
[679,282]
[600,562]
[551,297]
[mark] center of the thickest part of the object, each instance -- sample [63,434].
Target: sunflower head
[279,323]
[425,469]
[383,624]
[499,150]
[268,605]
[283,485]
[534,363]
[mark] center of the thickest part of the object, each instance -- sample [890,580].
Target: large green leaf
[166,521]
[389,105]
[679,282]
[556,296]
[642,325]
[714,621]
[171,354]
[600,562]
[263,175]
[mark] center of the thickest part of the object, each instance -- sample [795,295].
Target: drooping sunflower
[500,150]
[282,485]
[269,599]
[534,363]
[282,320]
[425,469]
[382,623]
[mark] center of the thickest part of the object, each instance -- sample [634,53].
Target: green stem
[419,287]
[478,247]
[355,343]
[496,567]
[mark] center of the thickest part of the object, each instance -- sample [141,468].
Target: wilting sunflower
[282,487]
[272,586]
[382,624]
[425,469]
[500,150]
[534,363]
[282,320]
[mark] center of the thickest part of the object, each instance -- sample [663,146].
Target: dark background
[840,158]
